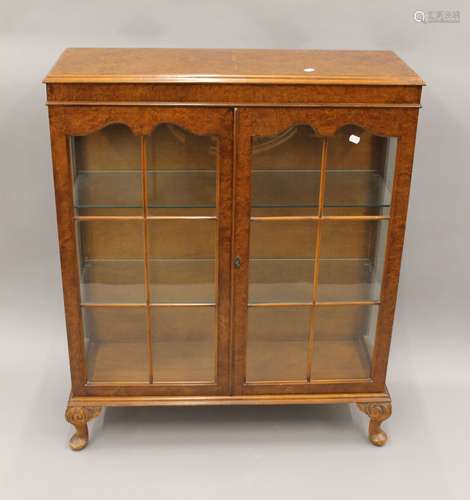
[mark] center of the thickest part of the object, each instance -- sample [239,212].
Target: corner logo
[437,16]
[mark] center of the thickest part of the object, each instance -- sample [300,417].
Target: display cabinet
[231,225]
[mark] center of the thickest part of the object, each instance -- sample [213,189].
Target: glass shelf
[110,256]
[108,189]
[351,259]
[291,280]
[171,281]
[182,261]
[192,188]
[299,188]
[181,188]
[356,188]
[280,280]
[193,280]
[348,279]
[182,280]
[166,189]
[112,281]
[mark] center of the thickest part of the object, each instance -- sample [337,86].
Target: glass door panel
[112,279]
[182,235]
[111,261]
[106,172]
[109,229]
[281,261]
[318,236]
[351,259]
[182,258]
[285,176]
[116,340]
[277,343]
[285,185]
[360,172]
[184,344]
[146,226]
[344,340]
[181,172]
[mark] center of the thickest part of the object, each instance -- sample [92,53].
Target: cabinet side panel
[396,235]
[68,256]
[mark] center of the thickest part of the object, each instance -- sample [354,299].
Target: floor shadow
[236,425]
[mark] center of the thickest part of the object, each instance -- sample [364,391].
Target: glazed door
[146,245]
[314,285]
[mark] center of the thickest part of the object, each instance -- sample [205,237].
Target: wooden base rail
[80,410]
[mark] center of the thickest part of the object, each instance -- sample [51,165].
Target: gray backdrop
[249,452]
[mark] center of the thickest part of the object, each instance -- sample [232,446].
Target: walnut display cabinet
[231,224]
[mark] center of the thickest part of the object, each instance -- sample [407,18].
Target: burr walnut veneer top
[132,65]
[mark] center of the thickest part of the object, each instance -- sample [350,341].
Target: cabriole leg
[79,417]
[377,412]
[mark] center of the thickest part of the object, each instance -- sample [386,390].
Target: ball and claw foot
[377,412]
[79,417]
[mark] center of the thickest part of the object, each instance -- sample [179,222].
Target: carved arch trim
[74,120]
[327,121]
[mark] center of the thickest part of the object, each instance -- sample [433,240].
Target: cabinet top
[259,66]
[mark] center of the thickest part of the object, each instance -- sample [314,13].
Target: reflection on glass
[182,280]
[181,171]
[106,172]
[182,260]
[344,339]
[184,344]
[286,169]
[360,171]
[111,258]
[116,344]
[285,188]
[351,259]
[281,261]
[277,343]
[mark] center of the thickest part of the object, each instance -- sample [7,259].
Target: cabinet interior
[147,240]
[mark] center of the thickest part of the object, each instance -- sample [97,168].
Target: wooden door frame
[71,120]
[397,122]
